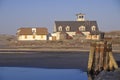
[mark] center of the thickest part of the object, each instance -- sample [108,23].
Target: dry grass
[6,39]
[10,40]
[115,35]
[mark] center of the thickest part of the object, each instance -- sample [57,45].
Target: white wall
[86,33]
[30,37]
[95,37]
[71,33]
[57,34]
[41,37]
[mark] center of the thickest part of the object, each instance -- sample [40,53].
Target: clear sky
[42,13]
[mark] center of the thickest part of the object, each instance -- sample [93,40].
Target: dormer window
[68,28]
[34,30]
[82,28]
[93,28]
[60,28]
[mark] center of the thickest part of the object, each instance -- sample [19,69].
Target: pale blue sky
[42,13]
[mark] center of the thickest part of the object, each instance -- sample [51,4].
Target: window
[95,36]
[80,16]
[68,28]
[33,36]
[93,28]
[60,28]
[41,36]
[82,28]
[25,36]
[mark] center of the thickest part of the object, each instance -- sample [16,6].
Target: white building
[88,28]
[30,34]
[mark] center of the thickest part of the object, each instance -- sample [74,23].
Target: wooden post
[106,61]
[106,57]
[97,56]
[110,65]
[115,65]
[91,56]
[101,56]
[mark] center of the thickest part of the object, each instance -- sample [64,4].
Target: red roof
[40,31]
[28,31]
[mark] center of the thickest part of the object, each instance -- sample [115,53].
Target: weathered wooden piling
[91,56]
[101,57]
[97,56]
[106,56]
[115,65]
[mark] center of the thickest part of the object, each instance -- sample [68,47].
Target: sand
[48,59]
